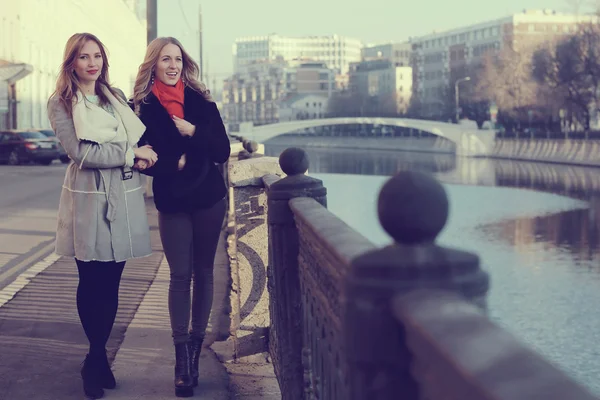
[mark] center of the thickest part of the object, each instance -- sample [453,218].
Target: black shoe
[183,379]
[105,374]
[195,345]
[91,384]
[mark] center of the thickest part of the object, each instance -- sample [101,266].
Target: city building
[259,90]
[440,59]
[309,77]
[252,94]
[336,51]
[303,106]
[398,53]
[381,81]
[33,35]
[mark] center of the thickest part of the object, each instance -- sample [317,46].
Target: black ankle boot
[183,379]
[91,384]
[195,344]
[105,374]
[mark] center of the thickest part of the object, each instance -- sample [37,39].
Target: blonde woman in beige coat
[102,220]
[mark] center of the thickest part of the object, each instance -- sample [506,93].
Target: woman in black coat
[185,129]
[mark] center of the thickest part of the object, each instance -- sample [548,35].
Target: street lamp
[468,78]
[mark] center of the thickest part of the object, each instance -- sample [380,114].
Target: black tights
[98,301]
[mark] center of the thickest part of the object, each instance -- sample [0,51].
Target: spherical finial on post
[250,146]
[413,207]
[293,161]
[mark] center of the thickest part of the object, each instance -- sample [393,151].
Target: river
[535,227]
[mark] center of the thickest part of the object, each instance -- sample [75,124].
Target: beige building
[399,54]
[336,51]
[440,59]
[381,81]
[309,77]
[32,38]
[303,106]
[252,94]
[255,94]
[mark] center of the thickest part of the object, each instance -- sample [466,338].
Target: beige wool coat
[101,216]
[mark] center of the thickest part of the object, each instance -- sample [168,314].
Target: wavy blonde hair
[189,73]
[68,83]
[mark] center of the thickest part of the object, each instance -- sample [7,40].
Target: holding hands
[146,157]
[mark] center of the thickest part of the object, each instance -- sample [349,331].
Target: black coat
[200,183]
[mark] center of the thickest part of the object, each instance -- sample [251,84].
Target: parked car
[63,156]
[20,146]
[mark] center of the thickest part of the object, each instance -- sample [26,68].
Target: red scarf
[171,97]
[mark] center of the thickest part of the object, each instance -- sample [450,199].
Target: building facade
[309,77]
[381,81]
[33,35]
[440,59]
[252,94]
[400,54]
[336,51]
[256,92]
[303,106]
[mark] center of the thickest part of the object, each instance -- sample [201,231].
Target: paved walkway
[42,343]
[144,363]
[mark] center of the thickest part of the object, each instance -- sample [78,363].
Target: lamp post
[468,78]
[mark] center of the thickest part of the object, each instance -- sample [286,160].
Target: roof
[11,73]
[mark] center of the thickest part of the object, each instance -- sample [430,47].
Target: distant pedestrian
[185,128]
[102,220]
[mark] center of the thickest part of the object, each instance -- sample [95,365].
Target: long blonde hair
[67,83]
[189,73]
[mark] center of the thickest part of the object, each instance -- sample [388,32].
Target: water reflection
[361,162]
[573,181]
[574,231]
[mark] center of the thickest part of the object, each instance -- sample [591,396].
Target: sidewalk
[42,343]
[144,363]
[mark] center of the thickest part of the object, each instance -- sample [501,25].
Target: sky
[371,21]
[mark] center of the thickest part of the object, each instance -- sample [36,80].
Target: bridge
[470,142]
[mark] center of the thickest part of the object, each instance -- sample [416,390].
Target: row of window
[459,54]
[491,32]
[431,75]
[462,37]
[402,53]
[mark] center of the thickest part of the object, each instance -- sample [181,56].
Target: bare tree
[570,72]
[506,79]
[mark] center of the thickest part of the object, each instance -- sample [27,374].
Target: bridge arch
[469,141]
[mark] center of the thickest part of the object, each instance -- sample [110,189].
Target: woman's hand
[181,163]
[184,127]
[140,165]
[146,153]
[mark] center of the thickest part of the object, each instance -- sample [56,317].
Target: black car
[63,156]
[18,147]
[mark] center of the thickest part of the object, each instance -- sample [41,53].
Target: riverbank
[425,144]
[574,152]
